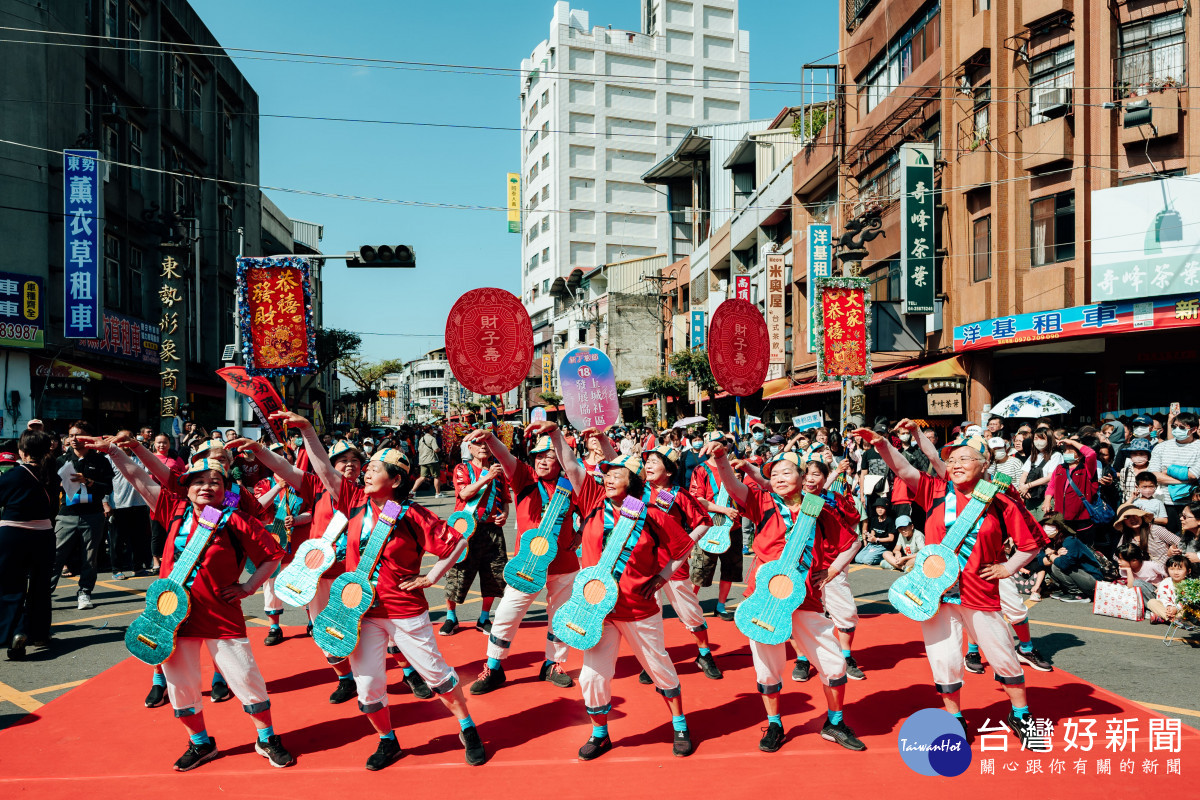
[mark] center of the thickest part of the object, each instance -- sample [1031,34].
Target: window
[546,223]
[136,268]
[546,286]
[135,156]
[979,5]
[110,19]
[111,150]
[197,101]
[981,249]
[89,120]
[545,129]
[546,161]
[134,32]
[112,271]
[533,262]
[532,142]
[225,217]
[983,99]
[1052,234]
[178,195]
[533,171]
[1152,54]
[907,51]
[546,192]
[1047,74]
[546,255]
[545,98]
[226,133]
[177,82]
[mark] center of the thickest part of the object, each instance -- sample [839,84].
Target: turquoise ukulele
[464,521]
[780,586]
[297,583]
[336,629]
[936,569]
[580,621]
[526,571]
[151,637]
[716,540]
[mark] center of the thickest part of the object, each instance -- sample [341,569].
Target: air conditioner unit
[1052,103]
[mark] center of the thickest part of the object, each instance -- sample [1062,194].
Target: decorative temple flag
[489,341]
[275,305]
[739,346]
[263,399]
[844,318]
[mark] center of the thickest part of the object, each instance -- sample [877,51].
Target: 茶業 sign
[917,228]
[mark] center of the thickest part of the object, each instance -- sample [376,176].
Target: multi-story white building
[600,107]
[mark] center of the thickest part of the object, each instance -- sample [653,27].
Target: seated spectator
[1147,485]
[1134,525]
[908,543]
[879,537]
[1178,568]
[1143,575]
[1072,564]
[1002,462]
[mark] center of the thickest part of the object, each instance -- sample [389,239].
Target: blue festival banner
[81,244]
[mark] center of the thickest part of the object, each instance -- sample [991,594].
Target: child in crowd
[1143,575]
[1147,485]
[878,538]
[909,542]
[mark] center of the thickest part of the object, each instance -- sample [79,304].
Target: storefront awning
[946,368]
[806,389]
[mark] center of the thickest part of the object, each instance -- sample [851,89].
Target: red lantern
[739,347]
[489,341]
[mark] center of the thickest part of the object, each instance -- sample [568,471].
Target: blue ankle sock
[266,733]
[493,663]
[483,616]
[835,717]
[679,722]
[200,738]
[218,678]
[845,653]
[347,678]
[1020,712]
[958,715]
[389,735]
[407,671]
[704,651]
[801,658]
[160,679]
[776,718]
[599,731]
[452,615]
[720,608]
[1026,647]
[973,648]
[466,722]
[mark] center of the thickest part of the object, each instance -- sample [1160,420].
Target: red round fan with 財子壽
[489,341]
[739,347]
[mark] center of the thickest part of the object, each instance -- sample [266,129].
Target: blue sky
[456,249]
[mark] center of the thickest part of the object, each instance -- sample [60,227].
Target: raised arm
[496,447]
[719,460]
[752,472]
[139,478]
[895,462]
[606,445]
[152,464]
[930,451]
[273,461]
[571,467]
[322,468]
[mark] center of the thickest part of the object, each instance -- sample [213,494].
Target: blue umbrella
[1032,403]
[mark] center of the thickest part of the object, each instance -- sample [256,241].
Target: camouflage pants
[486,557]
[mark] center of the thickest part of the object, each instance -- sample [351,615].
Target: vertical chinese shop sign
[916,229]
[775,305]
[843,318]
[820,257]
[275,306]
[172,380]
[81,244]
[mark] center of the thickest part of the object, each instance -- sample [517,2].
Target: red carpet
[99,741]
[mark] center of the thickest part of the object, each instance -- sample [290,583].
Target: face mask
[775,449]
[695,445]
[1040,444]
[758,437]
[1050,530]
[906,438]
[1140,460]
[1068,458]
[1180,433]
[999,455]
[368,448]
[1141,431]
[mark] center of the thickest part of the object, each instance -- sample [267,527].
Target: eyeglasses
[963,461]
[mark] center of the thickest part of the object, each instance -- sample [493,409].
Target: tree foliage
[623,387]
[693,365]
[666,386]
[551,399]
[365,375]
[333,345]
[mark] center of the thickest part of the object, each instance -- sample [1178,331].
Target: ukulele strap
[950,517]
[634,537]
[182,538]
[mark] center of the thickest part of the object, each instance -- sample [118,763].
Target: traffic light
[400,255]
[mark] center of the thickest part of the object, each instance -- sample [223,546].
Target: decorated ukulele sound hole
[167,603]
[780,586]
[314,559]
[594,592]
[933,567]
[352,595]
[462,524]
[539,546]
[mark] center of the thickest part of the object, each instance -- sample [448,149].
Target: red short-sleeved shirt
[690,515]
[830,537]
[314,495]
[528,501]
[421,531]
[703,482]
[299,532]
[1004,518]
[660,532]
[498,489]
[221,565]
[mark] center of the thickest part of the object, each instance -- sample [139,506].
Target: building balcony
[871,24]
[974,169]
[816,163]
[1047,143]
[972,35]
[1033,11]
[1164,118]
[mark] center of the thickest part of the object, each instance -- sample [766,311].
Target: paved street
[1114,654]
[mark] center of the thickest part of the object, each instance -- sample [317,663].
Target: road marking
[18,698]
[1095,630]
[57,687]
[1169,709]
[120,588]
[93,619]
